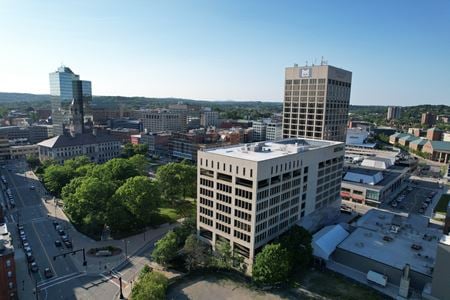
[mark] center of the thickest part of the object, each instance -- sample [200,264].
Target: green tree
[223,258]
[165,249]
[128,150]
[77,162]
[151,286]
[297,242]
[140,163]
[86,200]
[56,177]
[195,252]
[168,179]
[177,180]
[188,179]
[117,169]
[188,227]
[141,197]
[271,265]
[33,161]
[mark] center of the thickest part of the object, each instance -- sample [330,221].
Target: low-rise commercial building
[372,184]
[97,147]
[438,150]
[387,243]
[23,151]
[158,143]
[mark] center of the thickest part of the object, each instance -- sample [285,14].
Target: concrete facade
[250,194]
[156,120]
[316,102]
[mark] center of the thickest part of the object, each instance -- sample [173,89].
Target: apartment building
[250,194]
[316,102]
[393,113]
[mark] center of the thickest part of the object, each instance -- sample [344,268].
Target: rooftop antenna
[306,63]
[321,61]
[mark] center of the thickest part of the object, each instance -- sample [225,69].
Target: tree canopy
[150,286]
[271,265]
[166,249]
[177,180]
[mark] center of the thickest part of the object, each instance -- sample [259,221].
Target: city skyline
[228,51]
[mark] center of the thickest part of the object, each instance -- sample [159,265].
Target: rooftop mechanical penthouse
[249,194]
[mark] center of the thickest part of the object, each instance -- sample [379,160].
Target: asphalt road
[70,281]
[38,227]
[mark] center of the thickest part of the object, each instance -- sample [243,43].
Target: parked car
[30,258]
[68,244]
[58,243]
[394,204]
[61,232]
[48,273]
[55,224]
[20,228]
[34,267]
[64,238]
[26,244]
[32,187]
[421,210]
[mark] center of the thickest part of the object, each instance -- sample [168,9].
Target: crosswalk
[45,284]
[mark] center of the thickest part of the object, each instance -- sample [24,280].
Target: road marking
[52,280]
[59,282]
[12,218]
[111,280]
[43,248]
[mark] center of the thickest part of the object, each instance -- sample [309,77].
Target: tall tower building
[316,101]
[66,88]
[393,113]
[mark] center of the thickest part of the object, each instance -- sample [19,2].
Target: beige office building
[157,120]
[250,194]
[316,102]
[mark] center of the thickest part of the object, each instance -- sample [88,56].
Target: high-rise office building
[247,195]
[316,102]
[393,113]
[67,88]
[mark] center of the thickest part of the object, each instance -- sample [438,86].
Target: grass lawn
[441,207]
[335,286]
[171,214]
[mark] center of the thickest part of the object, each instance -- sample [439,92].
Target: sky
[398,50]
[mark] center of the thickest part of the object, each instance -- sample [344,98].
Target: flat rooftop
[269,150]
[389,175]
[388,238]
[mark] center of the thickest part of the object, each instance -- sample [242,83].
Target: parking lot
[418,197]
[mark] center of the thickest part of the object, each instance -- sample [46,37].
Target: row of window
[210,163]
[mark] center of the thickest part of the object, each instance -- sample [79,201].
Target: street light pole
[120,283]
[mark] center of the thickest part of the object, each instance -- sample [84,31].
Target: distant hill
[22,97]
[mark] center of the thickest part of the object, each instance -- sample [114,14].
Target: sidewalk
[25,284]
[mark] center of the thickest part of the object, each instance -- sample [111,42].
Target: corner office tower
[67,88]
[316,101]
